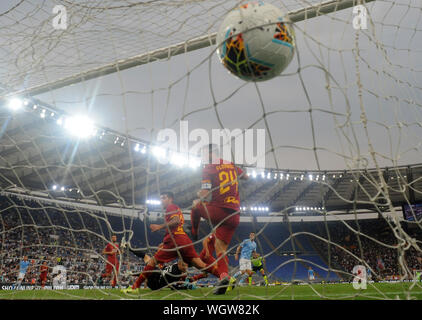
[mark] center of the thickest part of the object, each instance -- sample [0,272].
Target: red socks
[145,274]
[195,218]
[199,276]
[223,266]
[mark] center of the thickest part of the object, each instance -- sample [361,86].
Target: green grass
[375,291]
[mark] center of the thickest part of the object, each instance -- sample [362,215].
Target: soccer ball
[256,41]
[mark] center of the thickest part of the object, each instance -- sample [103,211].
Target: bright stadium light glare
[301,177]
[15,104]
[79,126]
[194,162]
[254,174]
[42,115]
[153,202]
[281,176]
[35,107]
[136,147]
[311,177]
[158,152]
[144,150]
[178,159]
[62,188]
[287,176]
[54,187]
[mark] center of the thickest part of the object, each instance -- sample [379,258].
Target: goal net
[89,87]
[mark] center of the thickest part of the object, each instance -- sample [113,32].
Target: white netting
[346,108]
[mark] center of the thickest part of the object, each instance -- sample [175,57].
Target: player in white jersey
[60,275]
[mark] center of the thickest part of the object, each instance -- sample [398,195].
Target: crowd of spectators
[50,234]
[376,247]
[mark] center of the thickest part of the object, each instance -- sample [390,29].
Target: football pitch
[344,291]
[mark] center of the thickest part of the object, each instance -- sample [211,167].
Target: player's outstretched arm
[237,252]
[172,223]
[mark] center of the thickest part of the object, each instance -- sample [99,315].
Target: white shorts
[311,277]
[21,276]
[245,264]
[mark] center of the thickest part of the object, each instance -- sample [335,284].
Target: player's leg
[264,276]
[20,278]
[115,274]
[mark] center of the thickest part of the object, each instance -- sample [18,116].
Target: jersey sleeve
[239,171]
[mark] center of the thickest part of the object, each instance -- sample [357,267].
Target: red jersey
[43,269]
[222,178]
[110,247]
[171,212]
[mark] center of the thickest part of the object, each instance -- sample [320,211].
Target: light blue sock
[237,274]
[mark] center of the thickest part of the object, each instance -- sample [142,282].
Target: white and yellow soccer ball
[256,41]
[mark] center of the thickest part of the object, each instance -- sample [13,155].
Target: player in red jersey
[112,265]
[176,243]
[220,179]
[43,273]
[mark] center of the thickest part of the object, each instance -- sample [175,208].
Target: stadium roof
[37,154]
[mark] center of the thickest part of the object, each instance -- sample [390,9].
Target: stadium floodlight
[263,174]
[323,177]
[62,188]
[54,187]
[287,176]
[153,202]
[15,104]
[35,107]
[269,175]
[42,115]
[25,102]
[52,114]
[79,126]
[136,147]
[310,177]
[144,150]
[334,176]
[281,176]
[301,177]
[60,121]
[254,174]
[275,176]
